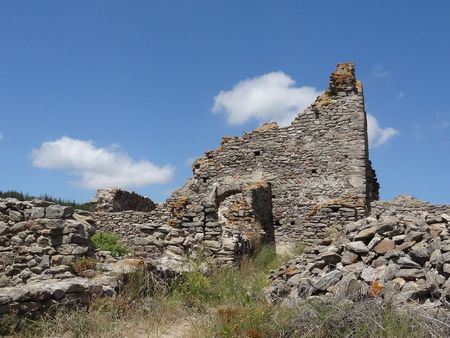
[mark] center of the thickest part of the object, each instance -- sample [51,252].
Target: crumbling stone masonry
[318,167]
[230,224]
[40,240]
[296,183]
[114,199]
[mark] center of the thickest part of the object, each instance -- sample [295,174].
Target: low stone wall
[221,230]
[40,241]
[407,204]
[45,296]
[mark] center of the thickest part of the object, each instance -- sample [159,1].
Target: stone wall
[407,204]
[40,296]
[39,240]
[318,170]
[226,227]
[114,199]
[321,159]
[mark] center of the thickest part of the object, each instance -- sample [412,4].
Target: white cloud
[273,97]
[98,167]
[377,135]
[269,97]
[378,71]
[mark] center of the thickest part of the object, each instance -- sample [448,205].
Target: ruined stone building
[310,182]
[294,183]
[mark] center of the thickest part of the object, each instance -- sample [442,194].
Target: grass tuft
[108,241]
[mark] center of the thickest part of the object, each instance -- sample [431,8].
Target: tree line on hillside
[61,201]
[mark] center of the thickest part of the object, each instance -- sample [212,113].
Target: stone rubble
[398,254]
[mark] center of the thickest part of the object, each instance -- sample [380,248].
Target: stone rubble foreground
[400,255]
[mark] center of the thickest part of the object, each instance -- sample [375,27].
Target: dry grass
[226,303]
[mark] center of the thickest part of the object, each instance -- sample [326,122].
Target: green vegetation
[108,241]
[226,303]
[26,197]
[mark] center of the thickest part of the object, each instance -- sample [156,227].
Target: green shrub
[107,241]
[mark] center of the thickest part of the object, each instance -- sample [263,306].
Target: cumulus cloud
[98,167]
[274,97]
[269,97]
[377,135]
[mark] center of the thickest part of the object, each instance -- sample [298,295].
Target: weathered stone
[15,216]
[407,262]
[328,280]
[349,257]
[358,247]
[410,274]
[405,246]
[384,246]
[58,211]
[392,288]
[330,258]
[368,274]
[366,233]
[419,253]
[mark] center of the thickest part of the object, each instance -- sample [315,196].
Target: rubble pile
[398,258]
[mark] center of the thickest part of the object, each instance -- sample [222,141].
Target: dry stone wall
[39,240]
[114,199]
[317,169]
[47,295]
[224,228]
[318,166]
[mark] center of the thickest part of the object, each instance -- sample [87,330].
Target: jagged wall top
[321,157]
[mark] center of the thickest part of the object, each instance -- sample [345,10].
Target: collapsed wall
[115,199]
[230,224]
[294,184]
[318,167]
[400,255]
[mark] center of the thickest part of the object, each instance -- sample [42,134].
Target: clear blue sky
[138,79]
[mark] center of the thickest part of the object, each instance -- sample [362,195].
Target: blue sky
[95,92]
